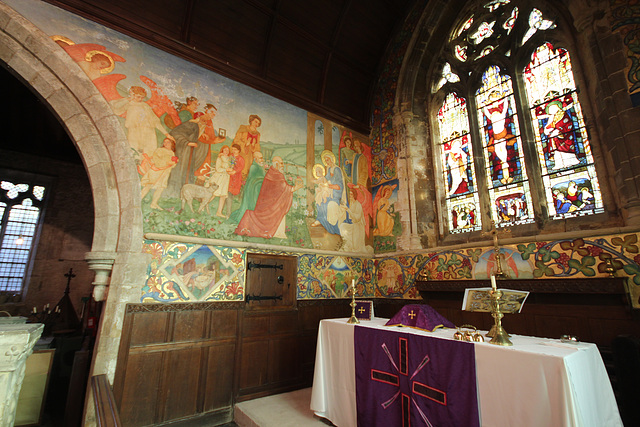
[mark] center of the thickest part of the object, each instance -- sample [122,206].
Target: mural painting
[179,272]
[217,159]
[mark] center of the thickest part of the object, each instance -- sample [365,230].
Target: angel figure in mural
[248,138]
[267,219]
[140,120]
[559,129]
[221,176]
[330,216]
[382,206]
[501,140]
[353,234]
[156,169]
[189,149]
[97,62]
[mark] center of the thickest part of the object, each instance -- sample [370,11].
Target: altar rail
[596,310]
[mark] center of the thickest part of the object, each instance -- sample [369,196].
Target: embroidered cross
[415,387]
[412,315]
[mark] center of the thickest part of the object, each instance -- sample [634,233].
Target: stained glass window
[459,172]
[20,209]
[491,33]
[506,172]
[562,142]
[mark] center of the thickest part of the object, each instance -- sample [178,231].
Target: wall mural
[184,272]
[217,159]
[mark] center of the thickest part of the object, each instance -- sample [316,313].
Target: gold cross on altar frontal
[361,310]
[412,315]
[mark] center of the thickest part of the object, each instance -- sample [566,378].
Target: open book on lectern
[479,299]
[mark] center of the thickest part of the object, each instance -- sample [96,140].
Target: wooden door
[271,281]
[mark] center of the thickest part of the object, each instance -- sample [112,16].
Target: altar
[536,382]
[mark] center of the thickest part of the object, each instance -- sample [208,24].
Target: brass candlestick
[497,333]
[353,320]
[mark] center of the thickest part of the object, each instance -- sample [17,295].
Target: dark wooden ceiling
[321,55]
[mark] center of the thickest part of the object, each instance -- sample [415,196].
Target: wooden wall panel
[180,383]
[188,325]
[149,328]
[253,366]
[219,377]
[284,360]
[139,396]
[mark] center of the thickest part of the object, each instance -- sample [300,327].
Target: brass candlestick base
[498,335]
[353,320]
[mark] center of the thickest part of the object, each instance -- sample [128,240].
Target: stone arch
[98,136]
[116,252]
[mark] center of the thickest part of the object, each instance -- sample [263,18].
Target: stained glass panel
[457,165]
[506,172]
[562,142]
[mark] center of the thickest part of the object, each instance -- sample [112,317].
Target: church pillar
[618,127]
[410,143]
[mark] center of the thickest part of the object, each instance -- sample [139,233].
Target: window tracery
[528,127]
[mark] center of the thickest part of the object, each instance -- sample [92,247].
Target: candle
[35,310]
[493,282]
[353,283]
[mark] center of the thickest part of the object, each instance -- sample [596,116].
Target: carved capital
[102,264]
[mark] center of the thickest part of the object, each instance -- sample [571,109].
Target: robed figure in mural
[330,215]
[248,139]
[267,219]
[251,188]
[189,150]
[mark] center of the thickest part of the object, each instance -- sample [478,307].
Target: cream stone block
[8,47]
[6,15]
[92,150]
[66,106]
[25,64]
[45,83]
[16,344]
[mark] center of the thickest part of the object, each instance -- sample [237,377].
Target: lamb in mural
[205,194]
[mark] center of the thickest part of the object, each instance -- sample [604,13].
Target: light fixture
[19,240]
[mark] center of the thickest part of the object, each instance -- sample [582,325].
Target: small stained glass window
[459,171]
[562,142]
[507,178]
[20,210]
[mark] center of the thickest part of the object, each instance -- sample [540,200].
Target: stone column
[16,344]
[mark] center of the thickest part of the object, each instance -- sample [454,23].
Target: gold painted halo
[93,53]
[318,165]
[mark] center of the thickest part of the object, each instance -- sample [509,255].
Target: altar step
[280,410]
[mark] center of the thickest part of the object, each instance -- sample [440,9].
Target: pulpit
[16,344]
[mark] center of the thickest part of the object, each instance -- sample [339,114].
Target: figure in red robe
[274,201]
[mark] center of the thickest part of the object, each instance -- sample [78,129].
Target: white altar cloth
[537,382]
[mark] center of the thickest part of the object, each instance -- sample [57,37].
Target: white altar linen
[537,382]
